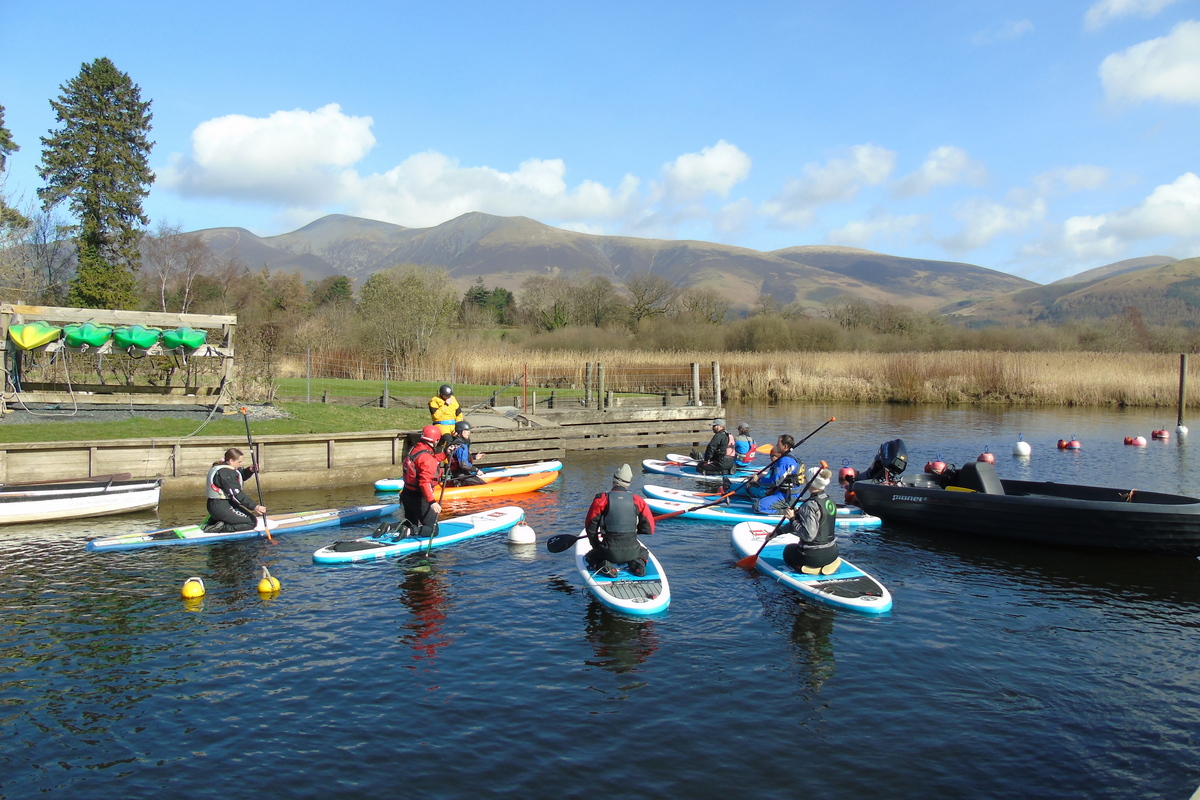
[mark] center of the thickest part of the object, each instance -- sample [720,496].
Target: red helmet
[431,434]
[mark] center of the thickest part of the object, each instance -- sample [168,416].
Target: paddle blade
[765,448]
[561,541]
[748,562]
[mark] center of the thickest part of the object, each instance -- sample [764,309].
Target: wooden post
[696,401]
[91,461]
[329,454]
[553,401]
[608,400]
[716,378]
[600,385]
[308,378]
[533,398]
[176,457]
[587,385]
[325,399]
[384,400]
[1182,387]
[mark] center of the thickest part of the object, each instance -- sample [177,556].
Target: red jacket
[423,470]
[645,517]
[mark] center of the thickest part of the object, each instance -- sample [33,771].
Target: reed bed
[945,377]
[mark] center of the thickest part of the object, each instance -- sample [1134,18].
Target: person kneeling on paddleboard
[614,522]
[773,490]
[227,502]
[743,444]
[817,551]
[719,455]
[422,475]
[463,471]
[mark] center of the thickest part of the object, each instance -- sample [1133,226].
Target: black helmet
[445,390]
[459,427]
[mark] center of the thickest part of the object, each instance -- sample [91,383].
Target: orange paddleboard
[517,484]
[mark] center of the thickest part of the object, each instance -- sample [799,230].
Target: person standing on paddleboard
[614,522]
[817,552]
[463,471]
[422,475]
[444,409]
[773,489]
[227,501]
[719,455]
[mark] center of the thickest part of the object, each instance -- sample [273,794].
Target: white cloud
[838,180]
[1082,177]
[1105,11]
[1007,31]
[1167,68]
[290,157]
[734,217]
[882,227]
[983,220]
[305,162]
[1172,209]
[714,170]
[944,166]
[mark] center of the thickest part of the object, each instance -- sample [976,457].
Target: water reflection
[621,644]
[425,592]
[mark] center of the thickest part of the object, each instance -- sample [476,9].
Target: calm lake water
[1003,671]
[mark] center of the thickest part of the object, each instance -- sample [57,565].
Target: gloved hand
[444,442]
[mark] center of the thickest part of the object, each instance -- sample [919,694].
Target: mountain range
[506,251]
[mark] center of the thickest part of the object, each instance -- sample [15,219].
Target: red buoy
[986,457]
[935,467]
[1073,445]
[847,475]
[1062,444]
[1162,434]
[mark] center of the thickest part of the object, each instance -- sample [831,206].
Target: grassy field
[305,418]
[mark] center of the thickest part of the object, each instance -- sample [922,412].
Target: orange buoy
[1136,441]
[1073,445]
[936,467]
[986,456]
[1062,444]
[1162,434]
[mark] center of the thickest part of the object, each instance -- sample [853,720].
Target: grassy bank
[954,377]
[304,418]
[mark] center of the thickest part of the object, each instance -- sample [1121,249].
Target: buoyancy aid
[825,528]
[620,515]
[214,492]
[412,471]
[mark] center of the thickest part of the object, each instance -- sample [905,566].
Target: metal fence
[349,377]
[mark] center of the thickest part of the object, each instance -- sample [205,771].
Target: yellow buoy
[268,584]
[193,588]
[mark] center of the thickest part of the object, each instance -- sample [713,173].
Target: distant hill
[1165,294]
[1117,268]
[504,251]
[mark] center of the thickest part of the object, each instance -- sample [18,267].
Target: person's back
[614,521]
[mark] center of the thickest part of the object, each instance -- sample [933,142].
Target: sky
[1039,139]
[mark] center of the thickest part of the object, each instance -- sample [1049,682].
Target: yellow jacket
[445,411]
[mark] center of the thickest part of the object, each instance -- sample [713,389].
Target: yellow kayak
[34,334]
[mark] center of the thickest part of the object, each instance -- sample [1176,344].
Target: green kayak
[136,336]
[183,338]
[34,334]
[77,335]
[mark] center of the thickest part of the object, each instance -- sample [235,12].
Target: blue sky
[1036,138]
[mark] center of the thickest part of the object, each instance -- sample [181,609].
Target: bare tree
[596,301]
[173,260]
[545,302]
[653,296]
[405,307]
[705,304]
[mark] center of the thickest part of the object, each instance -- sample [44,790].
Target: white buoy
[1021,448]
[522,534]
[1181,430]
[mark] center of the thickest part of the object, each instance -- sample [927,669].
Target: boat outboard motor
[892,459]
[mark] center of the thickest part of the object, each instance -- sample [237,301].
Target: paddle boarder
[422,475]
[743,444]
[463,471]
[773,489]
[718,456]
[614,521]
[227,502]
[817,552]
[444,409]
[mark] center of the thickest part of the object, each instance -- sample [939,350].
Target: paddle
[441,494]
[719,500]
[250,444]
[749,561]
[563,541]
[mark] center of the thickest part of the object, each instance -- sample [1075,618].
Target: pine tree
[98,160]
[9,216]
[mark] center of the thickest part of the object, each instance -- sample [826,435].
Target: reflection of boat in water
[424,593]
[622,644]
[1053,572]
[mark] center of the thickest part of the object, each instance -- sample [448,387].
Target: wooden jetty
[313,460]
